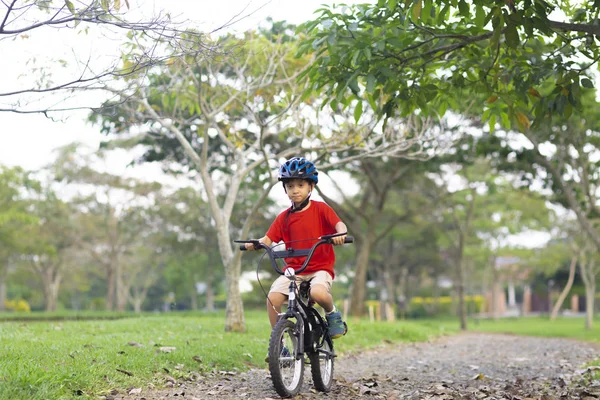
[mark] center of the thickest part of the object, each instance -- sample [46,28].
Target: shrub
[443,305]
[17,305]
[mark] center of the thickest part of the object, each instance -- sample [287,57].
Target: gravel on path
[464,366]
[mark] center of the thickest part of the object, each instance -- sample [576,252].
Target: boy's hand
[249,246]
[339,240]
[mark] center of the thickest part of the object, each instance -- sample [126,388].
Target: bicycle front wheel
[321,366]
[287,370]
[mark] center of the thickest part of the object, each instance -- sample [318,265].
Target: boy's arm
[265,239]
[339,228]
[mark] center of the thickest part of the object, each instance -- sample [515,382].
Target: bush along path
[464,366]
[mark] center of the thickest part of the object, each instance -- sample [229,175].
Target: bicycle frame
[302,313]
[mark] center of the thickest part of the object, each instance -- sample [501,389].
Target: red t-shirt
[317,220]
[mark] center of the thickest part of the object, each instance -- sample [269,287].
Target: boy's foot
[284,353]
[337,327]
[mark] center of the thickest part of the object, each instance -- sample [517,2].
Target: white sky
[27,140]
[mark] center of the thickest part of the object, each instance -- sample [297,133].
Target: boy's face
[297,190]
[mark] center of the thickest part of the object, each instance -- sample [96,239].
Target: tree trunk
[401,295]
[234,311]
[210,292]
[110,286]
[3,276]
[390,284]
[121,289]
[51,279]
[589,280]
[359,292]
[138,297]
[193,296]
[589,306]
[493,288]
[210,298]
[566,289]
[460,288]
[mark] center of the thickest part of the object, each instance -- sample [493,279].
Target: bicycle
[301,330]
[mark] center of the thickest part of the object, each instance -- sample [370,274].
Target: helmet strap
[302,205]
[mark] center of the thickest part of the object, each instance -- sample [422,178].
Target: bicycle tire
[322,366]
[287,370]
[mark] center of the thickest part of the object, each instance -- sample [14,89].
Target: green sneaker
[337,327]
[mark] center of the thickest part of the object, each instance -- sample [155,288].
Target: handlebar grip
[349,239]
[243,247]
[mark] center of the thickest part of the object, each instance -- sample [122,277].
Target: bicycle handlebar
[308,253]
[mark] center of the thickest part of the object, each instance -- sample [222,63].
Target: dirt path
[466,366]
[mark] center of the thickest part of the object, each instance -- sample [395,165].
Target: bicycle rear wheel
[321,366]
[287,370]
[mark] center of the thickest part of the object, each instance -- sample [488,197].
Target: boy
[305,219]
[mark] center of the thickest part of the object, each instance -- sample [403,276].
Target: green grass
[67,315]
[565,327]
[76,359]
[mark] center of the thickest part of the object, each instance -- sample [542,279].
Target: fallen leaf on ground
[166,349]
[124,372]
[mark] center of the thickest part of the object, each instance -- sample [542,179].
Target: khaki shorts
[282,284]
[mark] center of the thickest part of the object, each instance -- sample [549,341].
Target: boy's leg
[277,296]
[320,287]
[320,292]
[274,303]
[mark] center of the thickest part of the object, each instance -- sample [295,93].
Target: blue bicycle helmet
[298,168]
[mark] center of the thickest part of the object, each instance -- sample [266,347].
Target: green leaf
[416,11]
[498,24]
[568,110]
[443,108]
[70,6]
[358,110]
[353,85]
[371,80]
[485,115]
[463,8]
[392,4]
[512,35]
[586,83]
[442,15]
[479,16]
[426,13]
[505,120]
[492,123]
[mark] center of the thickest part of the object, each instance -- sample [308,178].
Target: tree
[230,121]
[49,246]
[14,219]
[149,38]
[409,55]
[485,207]
[110,223]
[382,203]
[566,289]
[190,241]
